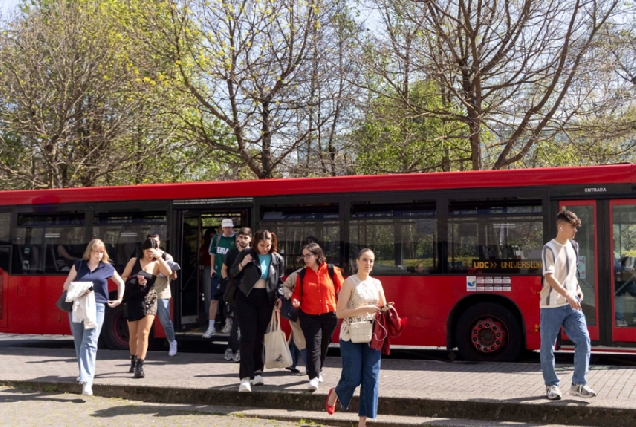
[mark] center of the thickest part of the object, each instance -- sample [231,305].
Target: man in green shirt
[219,247]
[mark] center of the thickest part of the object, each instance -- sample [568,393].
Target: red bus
[458,252]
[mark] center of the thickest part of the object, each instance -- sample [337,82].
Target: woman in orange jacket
[315,294]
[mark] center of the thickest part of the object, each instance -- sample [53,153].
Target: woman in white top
[360,298]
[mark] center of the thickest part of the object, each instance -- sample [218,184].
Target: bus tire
[489,332]
[115,329]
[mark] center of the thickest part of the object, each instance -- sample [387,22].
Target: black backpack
[287,310]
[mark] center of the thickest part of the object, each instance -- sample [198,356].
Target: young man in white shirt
[561,298]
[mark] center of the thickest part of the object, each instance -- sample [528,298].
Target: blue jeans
[163,311]
[86,344]
[360,367]
[573,322]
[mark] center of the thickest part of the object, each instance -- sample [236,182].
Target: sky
[7,6]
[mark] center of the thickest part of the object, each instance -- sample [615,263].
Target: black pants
[253,313]
[318,329]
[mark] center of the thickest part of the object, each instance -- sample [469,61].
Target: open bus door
[193,284]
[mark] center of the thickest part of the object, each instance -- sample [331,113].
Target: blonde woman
[94,267]
[141,300]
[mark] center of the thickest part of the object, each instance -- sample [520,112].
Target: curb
[563,412]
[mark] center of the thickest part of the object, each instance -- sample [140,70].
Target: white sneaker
[228,327]
[87,389]
[320,378]
[313,384]
[258,380]
[582,391]
[245,386]
[228,354]
[209,333]
[237,356]
[553,392]
[173,348]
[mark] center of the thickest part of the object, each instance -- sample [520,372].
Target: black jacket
[251,273]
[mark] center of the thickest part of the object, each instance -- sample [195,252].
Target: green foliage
[399,135]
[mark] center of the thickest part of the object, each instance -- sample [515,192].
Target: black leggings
[318,329]
[253,313]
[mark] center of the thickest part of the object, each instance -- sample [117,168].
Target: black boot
[139,369]
[133,362]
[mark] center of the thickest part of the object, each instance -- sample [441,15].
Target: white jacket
[84,308]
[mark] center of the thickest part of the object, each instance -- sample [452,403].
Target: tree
[512,67]
[74,110]
[251,67]
[396,137]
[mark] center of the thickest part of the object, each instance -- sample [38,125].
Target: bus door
[5,262]
[623,289]
[196,230]
[586,236]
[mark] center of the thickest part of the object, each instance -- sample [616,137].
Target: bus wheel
[488,331]
[115,329]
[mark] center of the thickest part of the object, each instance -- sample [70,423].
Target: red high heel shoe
[330,408]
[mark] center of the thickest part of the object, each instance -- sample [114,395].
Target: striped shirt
[559,260]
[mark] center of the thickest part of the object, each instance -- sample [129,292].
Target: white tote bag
[277,353]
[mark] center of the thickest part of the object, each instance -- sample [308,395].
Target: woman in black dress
[140,298]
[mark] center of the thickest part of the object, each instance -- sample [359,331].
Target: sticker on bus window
[471,283]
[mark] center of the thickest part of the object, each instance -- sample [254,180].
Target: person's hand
[279,304]
[156,253]
[66,285]
[87,292]
[141,280]
[371,308]
[248,258]
[114,303]
[295,303]
[212,272]
[574,303]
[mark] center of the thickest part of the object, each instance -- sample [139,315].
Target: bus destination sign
[509,265]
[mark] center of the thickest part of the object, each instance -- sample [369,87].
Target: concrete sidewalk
[479,391]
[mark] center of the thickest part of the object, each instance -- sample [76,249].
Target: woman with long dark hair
[258,272]
[141,300]
[315,294]
[360,298]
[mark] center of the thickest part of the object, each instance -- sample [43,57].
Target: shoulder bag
[361,332]
[63,305]
[277,353]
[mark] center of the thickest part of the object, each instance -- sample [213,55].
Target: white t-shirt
[560,260]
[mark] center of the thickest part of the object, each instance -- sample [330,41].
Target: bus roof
[583,175]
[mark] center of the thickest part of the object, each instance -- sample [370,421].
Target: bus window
[5,235]
[495,237]
[123,233]
[296,225]
[48,243]
[403,237]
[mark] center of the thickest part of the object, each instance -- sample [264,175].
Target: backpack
[287,310]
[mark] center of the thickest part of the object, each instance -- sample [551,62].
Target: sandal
[330,408]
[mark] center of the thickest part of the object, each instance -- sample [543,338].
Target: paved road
[29,408]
